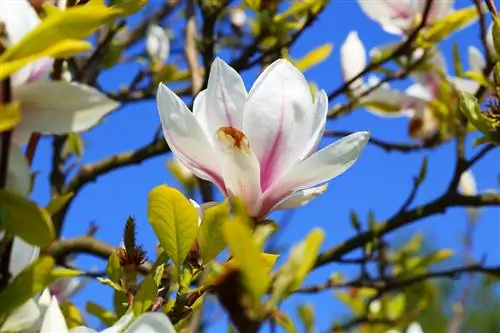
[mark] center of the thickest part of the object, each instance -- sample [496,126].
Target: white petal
[58,107]
[395,16]
[44,300]
[318,124]
[277,116]
[439,9]
[157,43]
[23,317]
[19,18]
[152,322]
[120,324]
[240,167]
[489,41]
[301,198]
[320,167]
[18,172]
[238,17]
[53,320]
[83,329]
[22,255]
[352,58]
[414,328]
[226,96]
[63,289]
[420,92]
[476,59]
[465,85]
[467,184]
[200,111]
[186,138]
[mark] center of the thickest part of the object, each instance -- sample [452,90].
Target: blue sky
[378,181]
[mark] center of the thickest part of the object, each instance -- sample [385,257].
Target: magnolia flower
[413,328]
[257,146]
[48,107]
[238,17]
[151,322]
[467,186]
[400,16]
[157,44]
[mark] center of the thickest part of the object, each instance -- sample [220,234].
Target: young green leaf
[210,236]
[114,270]
[174,220]
[108,318]
[57,203]
[306,315]
[469,106]
[25,219]
[247,254]
[32,280]
[314,57]
[146,295]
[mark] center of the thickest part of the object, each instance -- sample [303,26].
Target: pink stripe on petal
[269,161]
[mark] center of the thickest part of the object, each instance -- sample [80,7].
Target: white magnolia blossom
[414,101]
[157,44]
[151,322]
[467,186]
[400,16]
[29,316]
[413,328]
[48,107]
[258,146]
[238,17]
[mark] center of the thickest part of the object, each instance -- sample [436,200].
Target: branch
[387,146]
[440,205]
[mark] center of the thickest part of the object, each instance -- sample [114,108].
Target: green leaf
[31,281]
[57,203]
[108,318]
[457,62]
[25,219]
[210,235]
[496,34]
[396,306]
[72,314]
[478,77]
[379,106]
[355,222]
[306,315]
[247,255]
[441,29]
[146,295]
[300,261]
[469,106]
[285,322]
[73,145]
[114,270]
[253,4]
[158,276]
[110,283]
[314,57]
[65,273]
[120,303]
[174,220]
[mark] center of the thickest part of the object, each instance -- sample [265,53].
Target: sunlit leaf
[314,57]
[306,315]
[174,220]
[72,314]
[107,317]
[57,203]
[113,269]
[25,219]
[146,295]
[210,235]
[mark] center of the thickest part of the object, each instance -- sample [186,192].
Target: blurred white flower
[413,328]
[467,186]
[29,317]
[157,44]
[257,147]
[238,17]
[400,16]
[150,322]
[42,107]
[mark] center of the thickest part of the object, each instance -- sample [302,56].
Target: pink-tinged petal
[186,138]
[19,18]
[41,70]
[320,167]
[21,256]
[318,125]
[278,109]
[476,59]
[226,96]
[18,171]
[58,107]
[395,16]
[352,59]
[240,167]
[152,322]
[53,320]
[438,11]
[301,198]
